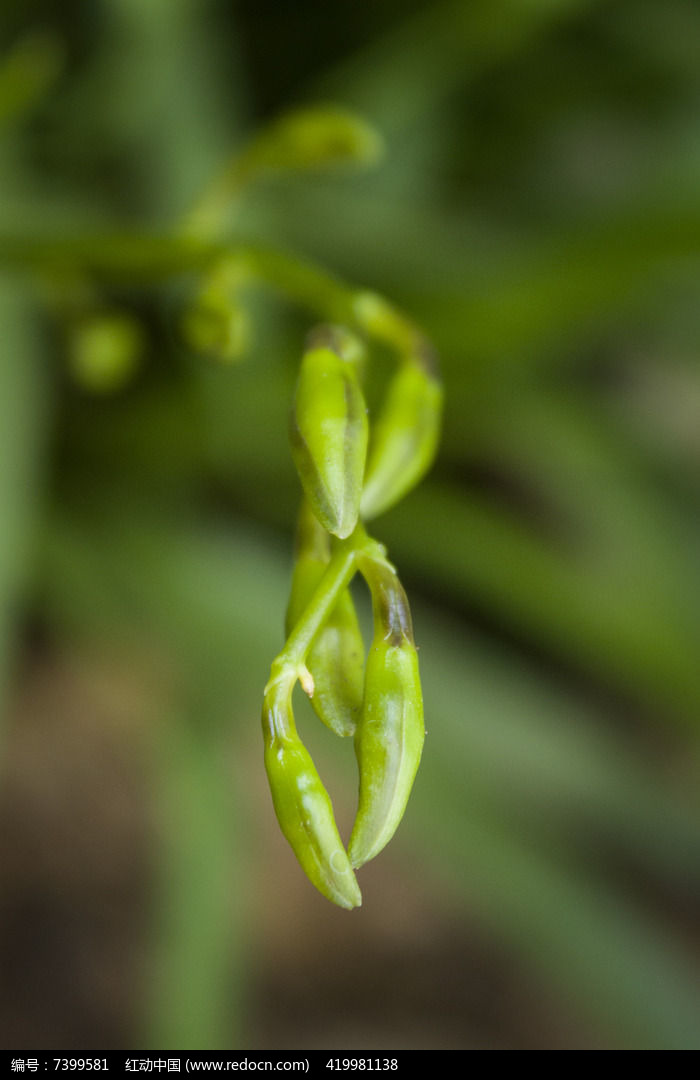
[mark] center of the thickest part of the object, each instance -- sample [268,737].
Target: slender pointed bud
[329,432]
[336,657]
[405,437]
[389,737]
[319,136]
[302,804]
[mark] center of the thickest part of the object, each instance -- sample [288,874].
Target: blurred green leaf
[22,446]
[417,64]
[26,73]
[541,589]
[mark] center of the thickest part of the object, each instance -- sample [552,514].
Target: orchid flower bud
[302,804]
[329,431]
[389,737]
[405,436]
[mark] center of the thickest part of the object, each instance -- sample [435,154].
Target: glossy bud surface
[329,432]
[303,806]
[389,737]
[404,438]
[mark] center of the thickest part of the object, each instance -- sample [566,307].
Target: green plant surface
[22,444]
[187,189]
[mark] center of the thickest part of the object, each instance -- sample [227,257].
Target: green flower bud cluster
[349,473]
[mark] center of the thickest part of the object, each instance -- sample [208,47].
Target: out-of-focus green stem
[164,59]
[195,958]
[319,136]
[153,257]
[21,438]
[114,256]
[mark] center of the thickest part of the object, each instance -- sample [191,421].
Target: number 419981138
[363,1064]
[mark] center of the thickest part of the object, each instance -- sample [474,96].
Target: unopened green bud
[302,804]
[316,137]
[336,657]
[312,138]
[389,737]
[216,326]
[215,323]
[405,436]
[329,432]
[105,350]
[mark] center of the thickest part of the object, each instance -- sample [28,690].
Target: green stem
[290,665]
[152,257]
[337,577]
[197,954]
[22,424]
[205,217]
[392,615]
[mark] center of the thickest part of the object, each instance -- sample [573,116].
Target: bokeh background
[537,211]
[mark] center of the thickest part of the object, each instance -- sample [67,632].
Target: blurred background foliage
[537,212]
